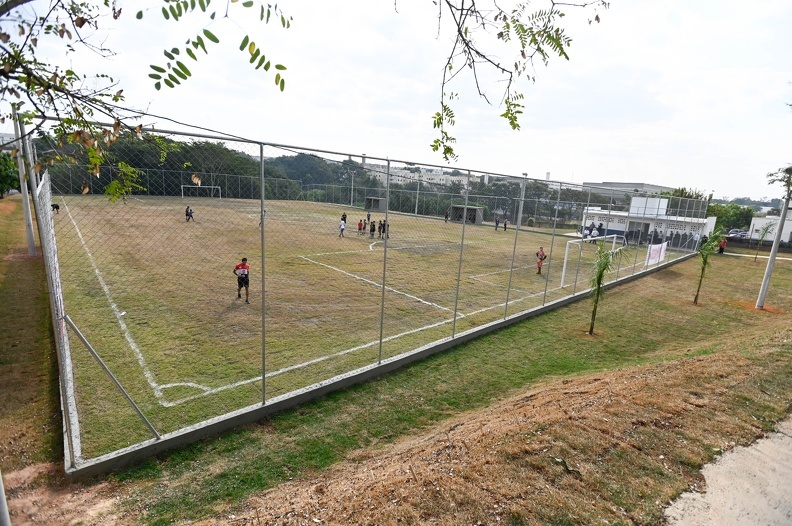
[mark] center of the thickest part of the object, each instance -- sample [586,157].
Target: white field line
[158,388]
[119,316]
[378,285]
[135,349]
[340,353]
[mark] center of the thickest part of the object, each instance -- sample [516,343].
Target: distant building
[644,188]
[7,141]
[757,223]
[652,220]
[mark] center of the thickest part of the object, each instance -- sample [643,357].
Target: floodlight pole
[776,242]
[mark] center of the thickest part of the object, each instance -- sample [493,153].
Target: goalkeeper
[242,272]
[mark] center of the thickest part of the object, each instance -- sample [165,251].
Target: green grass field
[156,297]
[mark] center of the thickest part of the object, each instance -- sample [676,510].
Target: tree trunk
[701,280]
[594,311]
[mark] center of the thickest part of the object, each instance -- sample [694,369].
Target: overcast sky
[676,93]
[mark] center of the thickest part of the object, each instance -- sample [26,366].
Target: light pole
[786,179]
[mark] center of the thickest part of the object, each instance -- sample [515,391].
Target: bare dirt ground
[567,452]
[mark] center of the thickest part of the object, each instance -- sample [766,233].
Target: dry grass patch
[609,447]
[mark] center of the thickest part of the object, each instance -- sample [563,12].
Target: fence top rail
[469,171]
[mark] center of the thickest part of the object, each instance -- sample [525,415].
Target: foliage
[685,192]
[175,71]
[603,264]
[529,36]
[36,88]
[730,215]
[9,175]
[124,184]
[704,251]
[783,176]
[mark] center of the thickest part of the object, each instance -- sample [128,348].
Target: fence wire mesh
[356,261]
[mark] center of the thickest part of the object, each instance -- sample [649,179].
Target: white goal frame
[219,191]
[613,237]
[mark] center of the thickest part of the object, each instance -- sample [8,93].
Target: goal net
[574,249]
[200,191]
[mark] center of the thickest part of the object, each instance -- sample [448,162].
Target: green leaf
[280,67]
[168,54]
[208,34]
[173,79]
[157,68]
[261,61]
[183,68]
[165,14]
[244,43]
[157,85]
[175,51]
[277,79]
[267,66]
[254,56]
[282,84]
[247,4]
[200,42]
[174,13]
[155,76]
[191,54]
[168,83]
[180,74]
[202,5]
[139,15]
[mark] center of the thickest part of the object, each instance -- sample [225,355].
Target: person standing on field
[187,213]
[242,272]
[372,228]
[722,246]
[341,228]
[540,257]
[497,223]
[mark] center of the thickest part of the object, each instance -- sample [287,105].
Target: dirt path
[557,454]
[746,486]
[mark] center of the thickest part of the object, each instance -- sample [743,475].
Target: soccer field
[155,296]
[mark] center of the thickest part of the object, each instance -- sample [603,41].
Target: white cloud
[678,93]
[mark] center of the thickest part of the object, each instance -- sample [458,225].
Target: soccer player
[540,257]
[242,272]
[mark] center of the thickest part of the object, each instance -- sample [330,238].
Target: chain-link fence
[356,264]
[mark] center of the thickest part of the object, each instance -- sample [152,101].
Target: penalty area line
[118,314]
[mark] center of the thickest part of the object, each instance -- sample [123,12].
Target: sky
[673,93]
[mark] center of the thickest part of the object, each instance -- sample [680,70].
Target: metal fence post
[461,250]
[384,260]
[263,283]
[514,249]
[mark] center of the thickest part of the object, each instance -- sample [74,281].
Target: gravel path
[746,486]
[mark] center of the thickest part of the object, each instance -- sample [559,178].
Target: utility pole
[784,176]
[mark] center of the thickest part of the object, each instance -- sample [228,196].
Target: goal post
[610,238]
[189,190]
